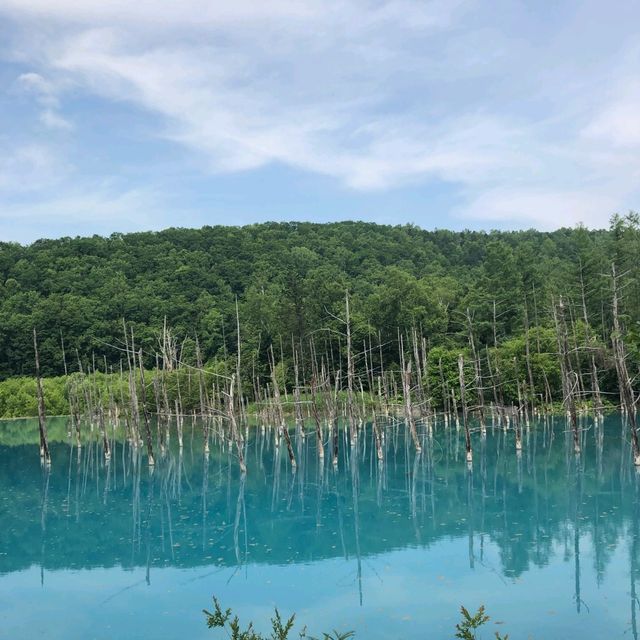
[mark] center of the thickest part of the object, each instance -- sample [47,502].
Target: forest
[283,285]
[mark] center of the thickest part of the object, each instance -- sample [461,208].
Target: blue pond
[548,542]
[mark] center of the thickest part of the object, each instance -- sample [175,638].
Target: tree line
[283,285]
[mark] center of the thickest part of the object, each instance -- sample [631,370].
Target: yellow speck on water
[551,612]
[406,617]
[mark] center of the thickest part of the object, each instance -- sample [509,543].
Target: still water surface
[548,543]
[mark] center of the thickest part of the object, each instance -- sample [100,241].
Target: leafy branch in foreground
[465,629]
[280,628]
[219,618]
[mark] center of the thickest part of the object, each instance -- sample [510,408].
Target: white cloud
[542,209]
[44,90]
[97,208]
[54,120]
[28,168]
[102,203]
[46,94]
[215,102]
[206,14]
[618,122]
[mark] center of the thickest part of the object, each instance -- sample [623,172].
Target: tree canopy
[290,281]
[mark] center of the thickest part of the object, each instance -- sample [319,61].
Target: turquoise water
[547,542]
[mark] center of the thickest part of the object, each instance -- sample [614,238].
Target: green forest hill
[290,279]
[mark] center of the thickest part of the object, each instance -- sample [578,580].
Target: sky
[125,116]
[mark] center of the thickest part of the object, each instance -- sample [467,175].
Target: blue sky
[122,116]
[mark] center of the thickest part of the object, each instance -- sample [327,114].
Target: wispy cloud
[102,208]
[26,168]
[46,95]
[542,209]
[99,204]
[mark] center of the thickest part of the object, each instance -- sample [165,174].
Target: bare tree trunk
[45,455]
[516,420]
[478,374]
[624,380]
[133,395]
[376,428]
[350,377]
[568,384]
[316,417]
[234,426]
[408,407]
[296,390]
[280,413]
[238,360]
[532,390]
[333,401]
[103,433]
[465,416]
[595,386]
[145,413]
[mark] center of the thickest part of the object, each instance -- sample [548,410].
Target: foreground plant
[465,629]
[280,630]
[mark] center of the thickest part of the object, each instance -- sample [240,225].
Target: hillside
[290,281]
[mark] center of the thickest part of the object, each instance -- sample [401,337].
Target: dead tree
[478,373]
[45,455]
[408,407]
[103,433]
[595,385]
[238,360]
[316,417]
[527,345]
[517,419]
[567,373]
[279,412]
[145,413]
[297,406]
[465,411]
[376,428]
[315,385]
[234,426]
[332,398]
[133,395]
[624,380]
[351,412]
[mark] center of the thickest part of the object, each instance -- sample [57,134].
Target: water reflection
[537,507]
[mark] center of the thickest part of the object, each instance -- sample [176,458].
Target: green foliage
[466,628]
[222,619]
[290,281]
